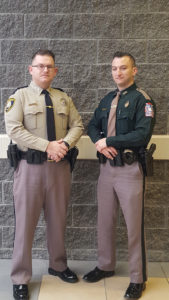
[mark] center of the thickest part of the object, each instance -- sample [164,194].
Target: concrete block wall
[84,35]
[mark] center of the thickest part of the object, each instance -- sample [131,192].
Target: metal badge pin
[127,104]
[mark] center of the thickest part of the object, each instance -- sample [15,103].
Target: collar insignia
[125,92]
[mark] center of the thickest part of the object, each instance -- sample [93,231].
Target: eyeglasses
[42,67]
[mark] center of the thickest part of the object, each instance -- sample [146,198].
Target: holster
[71,156]
[146,159]
[116,161]
[13,155]
[102,158]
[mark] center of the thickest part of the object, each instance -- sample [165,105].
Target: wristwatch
[66,144]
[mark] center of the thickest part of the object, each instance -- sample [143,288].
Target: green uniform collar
[129,89]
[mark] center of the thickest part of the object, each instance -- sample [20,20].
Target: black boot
[97,274]
[20,291]
[134,290]
[66,275]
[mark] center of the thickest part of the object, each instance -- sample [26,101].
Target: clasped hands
[56,150]
[109,152]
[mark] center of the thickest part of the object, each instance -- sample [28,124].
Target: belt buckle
[50,160]
[128,150]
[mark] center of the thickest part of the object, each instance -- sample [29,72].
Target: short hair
[44,52]
[122,54]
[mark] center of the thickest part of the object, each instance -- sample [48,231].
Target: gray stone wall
[84,34]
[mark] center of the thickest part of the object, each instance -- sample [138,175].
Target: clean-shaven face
[43,70]
[123,72]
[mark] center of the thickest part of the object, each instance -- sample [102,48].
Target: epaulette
[143,93]
[58,89]
[21,87]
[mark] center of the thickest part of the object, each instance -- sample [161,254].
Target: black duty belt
[33,156]
[37,157]
[123,156]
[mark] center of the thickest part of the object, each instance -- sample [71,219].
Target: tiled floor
[103,290]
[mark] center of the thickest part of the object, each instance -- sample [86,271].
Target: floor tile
[115,287]
[155,270]
[156,288]
[53,288]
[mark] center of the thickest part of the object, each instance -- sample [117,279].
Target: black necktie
[49,117]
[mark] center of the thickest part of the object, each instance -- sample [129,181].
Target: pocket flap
[62,108]
[33,109]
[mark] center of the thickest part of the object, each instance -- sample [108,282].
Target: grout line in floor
[105,289]
[165,275]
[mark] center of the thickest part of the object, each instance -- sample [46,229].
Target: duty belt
[33,156]
[123,156]
[38,157]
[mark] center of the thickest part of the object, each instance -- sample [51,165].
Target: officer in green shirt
[121,128]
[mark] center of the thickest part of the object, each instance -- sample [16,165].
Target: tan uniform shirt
[25,118]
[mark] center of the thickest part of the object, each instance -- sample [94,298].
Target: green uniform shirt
[135,119]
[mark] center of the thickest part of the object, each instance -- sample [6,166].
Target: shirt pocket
[31,114]
[125,120]
[62,114]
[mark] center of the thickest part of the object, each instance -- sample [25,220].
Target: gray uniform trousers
[35,187]
[124,186]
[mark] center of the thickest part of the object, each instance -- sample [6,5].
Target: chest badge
[63,102]
[126,104]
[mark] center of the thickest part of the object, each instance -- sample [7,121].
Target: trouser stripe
[143,238]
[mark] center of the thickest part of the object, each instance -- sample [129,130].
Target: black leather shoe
[67,275]
[20,291]
[97,274]
[134,290]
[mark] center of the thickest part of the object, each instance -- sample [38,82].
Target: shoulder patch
[144,93]
[9,104]
[149,110]
[21,87]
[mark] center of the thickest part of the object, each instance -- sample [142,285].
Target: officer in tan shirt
[46,184]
